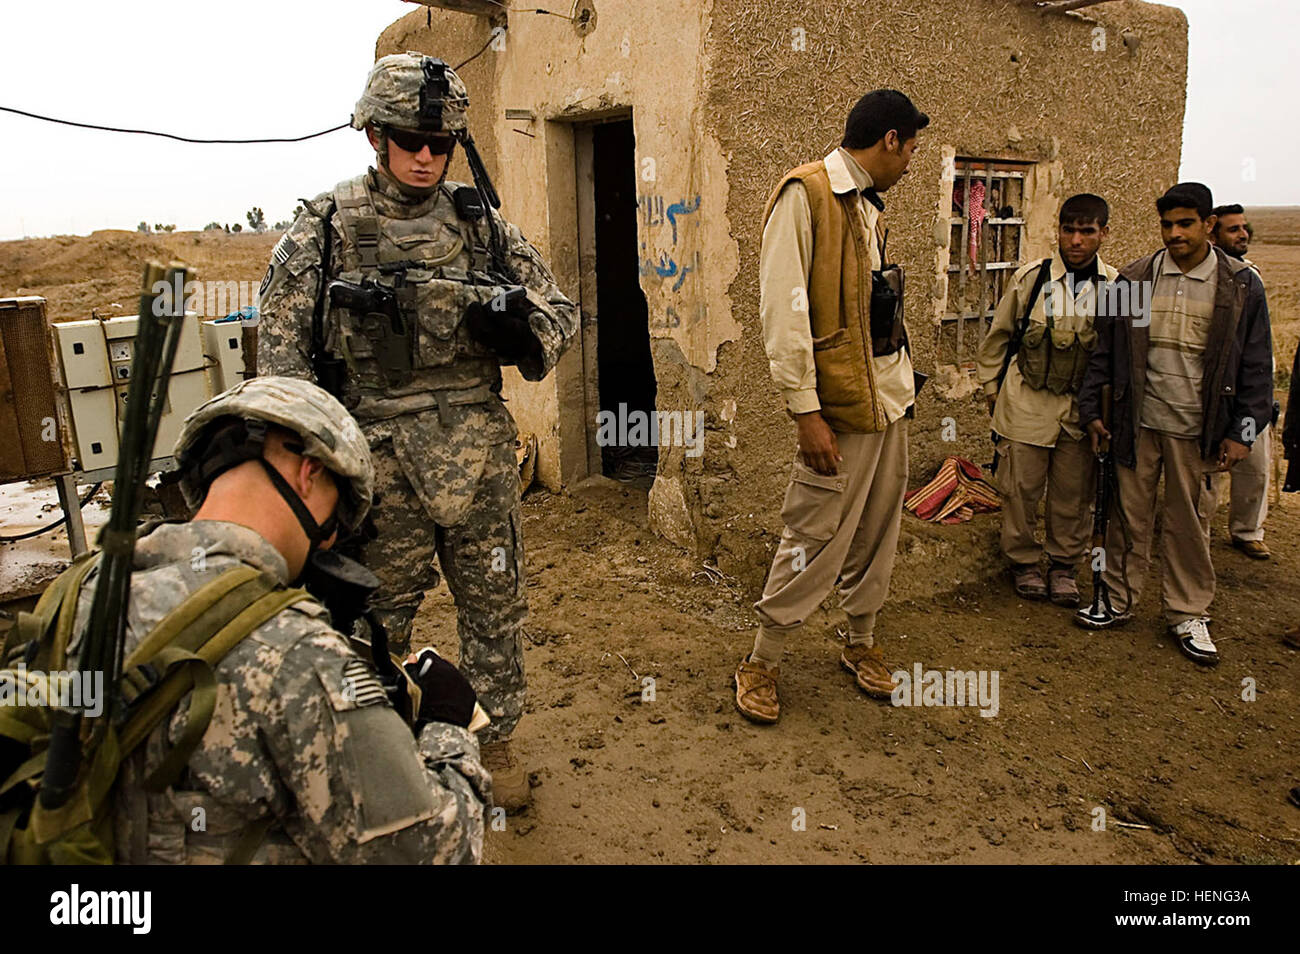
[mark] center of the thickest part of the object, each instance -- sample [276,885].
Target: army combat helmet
[413,91]
[231,428]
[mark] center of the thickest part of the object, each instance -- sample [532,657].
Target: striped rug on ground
[957,492]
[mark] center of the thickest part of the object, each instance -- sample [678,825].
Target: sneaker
[1193,637]
[1102,617]
[1028,582]
[756,691]
[1255,549]
[867,663]
[1061,586]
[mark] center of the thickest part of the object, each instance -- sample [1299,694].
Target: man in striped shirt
[1190,362]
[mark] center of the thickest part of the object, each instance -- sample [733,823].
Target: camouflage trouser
[482,558]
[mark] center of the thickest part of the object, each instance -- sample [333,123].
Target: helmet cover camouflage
[413,91]
[329,434]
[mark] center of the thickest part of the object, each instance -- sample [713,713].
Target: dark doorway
[625,370]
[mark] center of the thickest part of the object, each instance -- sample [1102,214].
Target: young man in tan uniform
[1042,445]
[845,373]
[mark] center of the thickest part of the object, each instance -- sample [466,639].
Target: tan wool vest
[839,304]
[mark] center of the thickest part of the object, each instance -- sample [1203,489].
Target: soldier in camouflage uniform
[303,748]
[426,384]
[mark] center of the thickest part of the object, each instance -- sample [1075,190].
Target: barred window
[986,242]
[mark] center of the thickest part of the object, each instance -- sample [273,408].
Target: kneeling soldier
[304,760]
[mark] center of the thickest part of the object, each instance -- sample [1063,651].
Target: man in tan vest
[833,330]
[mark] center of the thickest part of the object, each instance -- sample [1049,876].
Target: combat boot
[510,788]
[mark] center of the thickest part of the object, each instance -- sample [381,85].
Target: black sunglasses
[413,142]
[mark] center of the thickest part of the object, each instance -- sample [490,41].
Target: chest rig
[396,306]
[1051,357]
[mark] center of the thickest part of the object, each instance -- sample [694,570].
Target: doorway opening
[624,371]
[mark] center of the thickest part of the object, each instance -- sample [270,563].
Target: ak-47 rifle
[161,317]
[1101,608]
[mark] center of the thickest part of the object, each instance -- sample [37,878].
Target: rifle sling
[322,289]
[1018,333]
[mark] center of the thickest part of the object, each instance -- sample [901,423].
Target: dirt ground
[1119,721]
[1183,767]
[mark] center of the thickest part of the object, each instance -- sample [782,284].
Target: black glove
[505,333]
[445,695]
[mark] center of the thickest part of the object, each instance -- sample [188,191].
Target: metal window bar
[986,233]
[989,270]
[962,263]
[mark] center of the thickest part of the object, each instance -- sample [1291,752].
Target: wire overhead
[165,135]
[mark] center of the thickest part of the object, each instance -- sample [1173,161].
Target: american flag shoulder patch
[360,686]
[283,249]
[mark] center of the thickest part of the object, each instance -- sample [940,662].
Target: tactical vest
[1052,358]
[427,358]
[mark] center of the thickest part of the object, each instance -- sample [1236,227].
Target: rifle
[1013,345]
[102,648]
[344,586]
[1101,607]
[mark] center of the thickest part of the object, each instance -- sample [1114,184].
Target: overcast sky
[252,68]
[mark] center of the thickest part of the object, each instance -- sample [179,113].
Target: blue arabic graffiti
[680,208]
[654,214]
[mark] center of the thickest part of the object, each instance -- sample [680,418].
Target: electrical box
[223,349]
[96,357]
[33,438]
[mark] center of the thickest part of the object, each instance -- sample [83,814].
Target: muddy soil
[1183,769]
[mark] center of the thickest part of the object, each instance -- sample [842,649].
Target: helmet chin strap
[317,533]
[240,441]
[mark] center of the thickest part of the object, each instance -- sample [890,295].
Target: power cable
[476,55]
[57,523]
[164,135]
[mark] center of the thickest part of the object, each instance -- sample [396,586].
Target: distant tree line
[256,222]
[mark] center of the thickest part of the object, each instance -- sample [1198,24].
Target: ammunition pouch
[1054,359]
[416,330]
[887,332]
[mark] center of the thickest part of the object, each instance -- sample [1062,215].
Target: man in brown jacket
[1186,346]
[832,327]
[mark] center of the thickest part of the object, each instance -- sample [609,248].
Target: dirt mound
[81,274]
